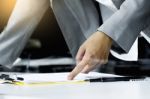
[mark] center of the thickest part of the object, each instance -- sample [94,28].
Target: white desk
[111,90]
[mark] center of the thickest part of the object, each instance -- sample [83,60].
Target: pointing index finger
[77,69]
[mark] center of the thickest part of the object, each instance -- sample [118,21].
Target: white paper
[55,77]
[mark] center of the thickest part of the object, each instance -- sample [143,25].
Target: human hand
[92,52]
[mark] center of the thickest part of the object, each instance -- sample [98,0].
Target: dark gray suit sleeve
[125,25]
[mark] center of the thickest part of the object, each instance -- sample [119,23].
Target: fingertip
[77,70]
[70,76]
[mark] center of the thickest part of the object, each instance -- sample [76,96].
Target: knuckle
[99,61]
[105,61]
[102,61]
[96,61]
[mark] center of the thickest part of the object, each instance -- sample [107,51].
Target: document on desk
[53,78]
[59,78]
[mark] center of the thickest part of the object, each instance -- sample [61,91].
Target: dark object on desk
[114,79]
[20,78]
[4,76]
[8,78]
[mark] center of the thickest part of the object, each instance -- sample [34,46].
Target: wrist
[106,37]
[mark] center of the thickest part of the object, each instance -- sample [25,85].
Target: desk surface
[109,90]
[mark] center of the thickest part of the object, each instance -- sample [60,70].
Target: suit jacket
[80,19]
[124,26]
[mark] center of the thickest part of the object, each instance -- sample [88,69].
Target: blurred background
[47,32]
[43,45]
[46,42]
